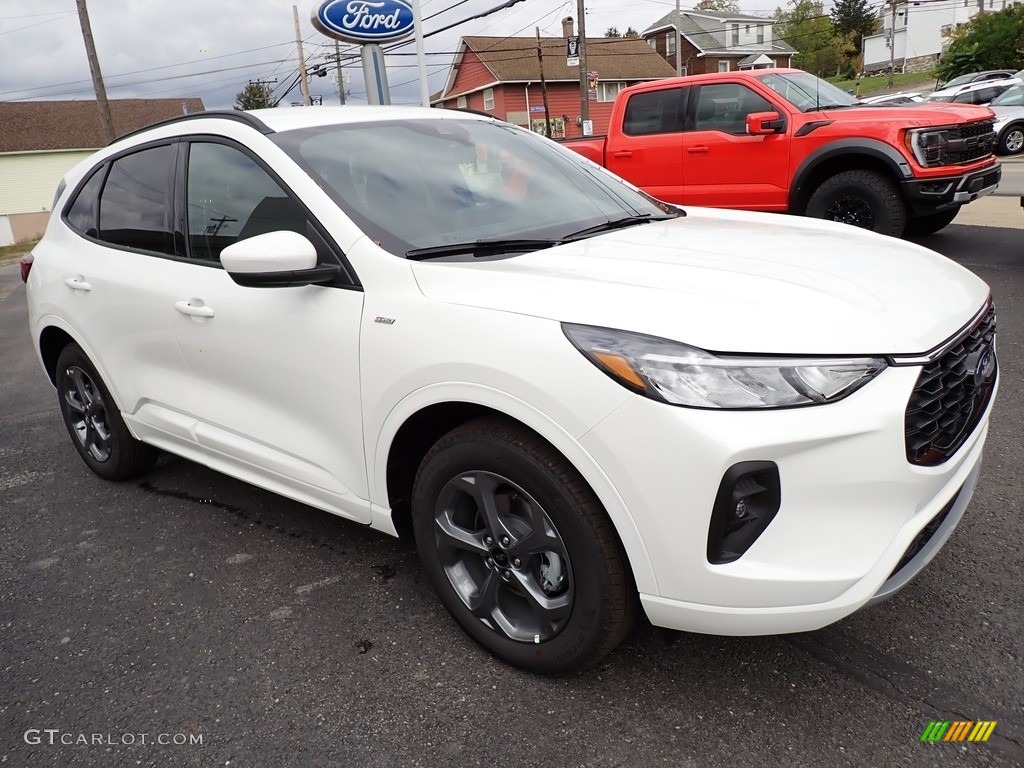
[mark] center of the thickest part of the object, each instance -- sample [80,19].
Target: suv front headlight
[682,375]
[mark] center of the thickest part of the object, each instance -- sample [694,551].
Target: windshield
[807,92]
[961,80]
[1011,98]
[417,184]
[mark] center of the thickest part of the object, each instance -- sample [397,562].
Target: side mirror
[765,123]
[275,260]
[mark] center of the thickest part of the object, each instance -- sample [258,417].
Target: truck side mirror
[765,123]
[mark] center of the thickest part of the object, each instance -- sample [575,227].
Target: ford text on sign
[365,21]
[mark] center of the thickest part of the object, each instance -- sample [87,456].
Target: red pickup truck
[785,140]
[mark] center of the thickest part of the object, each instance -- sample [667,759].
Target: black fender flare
[898,165]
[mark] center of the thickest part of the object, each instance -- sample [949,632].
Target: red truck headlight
[929,145]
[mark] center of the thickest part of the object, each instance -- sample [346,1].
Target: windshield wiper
[823,107]
[625,221]
[481,246]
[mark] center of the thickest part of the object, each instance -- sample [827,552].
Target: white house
[918,40]
[40,141]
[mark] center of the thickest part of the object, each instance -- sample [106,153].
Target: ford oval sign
[364,21]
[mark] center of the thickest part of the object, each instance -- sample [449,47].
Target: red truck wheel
[861,198]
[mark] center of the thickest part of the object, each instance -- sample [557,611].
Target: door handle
[186,307]
[698,150]
[77,283]
[622,153]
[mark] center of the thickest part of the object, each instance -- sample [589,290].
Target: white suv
[579,400]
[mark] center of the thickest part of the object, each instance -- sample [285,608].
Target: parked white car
[910,97]
[581,401]
[1009,124]
[973,93]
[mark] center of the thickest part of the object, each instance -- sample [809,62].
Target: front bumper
[931,195]
[852,506]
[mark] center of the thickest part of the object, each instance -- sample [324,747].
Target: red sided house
[501,75]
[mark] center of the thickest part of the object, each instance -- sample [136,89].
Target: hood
[919,115]
[732,281]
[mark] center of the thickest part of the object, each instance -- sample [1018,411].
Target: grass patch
[8,252]
[881,82]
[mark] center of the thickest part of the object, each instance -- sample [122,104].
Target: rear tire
[930,224]
[862,198]
[94,421]
[520,550]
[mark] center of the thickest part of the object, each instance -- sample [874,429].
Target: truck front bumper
[937,194]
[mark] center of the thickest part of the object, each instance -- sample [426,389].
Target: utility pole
[341,78]
[584,99]
[543,88]
[94,68]
[302,59]
[679,53]
[892,41]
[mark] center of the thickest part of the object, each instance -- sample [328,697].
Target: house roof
[707,32]
[514,59]
[27,126]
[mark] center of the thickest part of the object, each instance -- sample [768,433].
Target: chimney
[567,27]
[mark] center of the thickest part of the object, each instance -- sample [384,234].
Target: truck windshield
[419,185]
[807,92]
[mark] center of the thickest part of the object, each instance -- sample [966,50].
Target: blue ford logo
[364,21]
[982,364]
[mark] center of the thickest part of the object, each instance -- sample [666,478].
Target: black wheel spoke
[457,536]
[485,602]
[482,487]
[541,539]
[82,386]
[548,608]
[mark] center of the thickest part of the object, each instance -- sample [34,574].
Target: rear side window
[82,213]
[655,112]
[135,206]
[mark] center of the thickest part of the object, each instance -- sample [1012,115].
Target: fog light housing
[748,500]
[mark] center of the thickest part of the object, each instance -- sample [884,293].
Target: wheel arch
[845,155]
[53,339]
[424,417]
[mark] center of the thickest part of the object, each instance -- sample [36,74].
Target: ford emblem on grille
[982,364]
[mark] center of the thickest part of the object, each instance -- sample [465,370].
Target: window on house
[538,125]
[746,30]
[489,98]
[670,43]
[760,33]
[461,102]
[723,65]
[653,43]
[735,29]
[607,91]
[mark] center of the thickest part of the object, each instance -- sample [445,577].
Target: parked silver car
[1009,125]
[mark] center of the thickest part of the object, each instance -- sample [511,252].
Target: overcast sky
[211,48]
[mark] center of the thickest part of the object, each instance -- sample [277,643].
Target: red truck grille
[970,142]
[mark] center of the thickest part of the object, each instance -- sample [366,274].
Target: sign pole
[421,60]
[375,74]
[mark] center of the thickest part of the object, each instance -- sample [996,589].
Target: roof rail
[225,114]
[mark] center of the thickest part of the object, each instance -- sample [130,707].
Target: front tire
[862,198]
[930,224]
[1011,142]
[520,550]
[94,422]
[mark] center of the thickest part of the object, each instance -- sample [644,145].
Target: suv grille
[970,142]
[951,395]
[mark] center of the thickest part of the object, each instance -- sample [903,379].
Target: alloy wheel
[850,209]
[87,413]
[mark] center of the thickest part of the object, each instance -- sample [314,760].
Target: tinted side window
[655,112]
[82,213]
[725,108]
[135,207]
[231,198]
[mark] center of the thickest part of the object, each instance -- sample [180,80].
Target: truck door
[649,149]
[723,165]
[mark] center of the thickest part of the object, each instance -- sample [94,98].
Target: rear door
[724,166]
[648,152]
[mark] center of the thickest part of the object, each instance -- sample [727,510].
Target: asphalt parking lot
[196,608]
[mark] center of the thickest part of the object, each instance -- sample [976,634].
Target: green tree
[854,18]
[718,6]
[254,96]
[989,41]
[630,32]
[612,32]
[806,27]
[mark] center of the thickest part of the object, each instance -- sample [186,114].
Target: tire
[94,422]
[930,224]
[555,596]
[861,198]
[1011,141]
